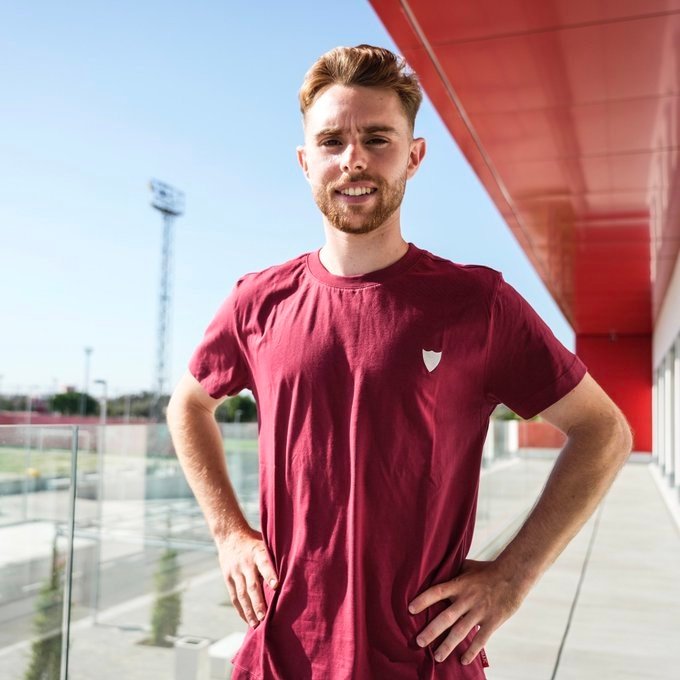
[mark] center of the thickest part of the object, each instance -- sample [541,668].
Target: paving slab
[623,621]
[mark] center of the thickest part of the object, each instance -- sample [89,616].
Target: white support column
[669,459]
[655,415]
[661,418]
[488,451]
[512,430]
[675,414]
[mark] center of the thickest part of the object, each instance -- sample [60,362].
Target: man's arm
[488,593]
[198,443]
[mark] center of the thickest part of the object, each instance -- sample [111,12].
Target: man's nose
[353,158]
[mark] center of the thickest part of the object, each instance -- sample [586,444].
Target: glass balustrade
[100,578]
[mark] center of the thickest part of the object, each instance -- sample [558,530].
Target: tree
[46,650]
[13,403]
[226,412]
[68,403]
[135,405]
[167,610]
[502,412]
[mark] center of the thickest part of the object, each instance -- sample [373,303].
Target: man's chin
[355,219]
[349,227]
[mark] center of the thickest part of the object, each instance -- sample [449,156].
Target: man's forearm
[583,472]
[200,450]
[484,594]
[241,551]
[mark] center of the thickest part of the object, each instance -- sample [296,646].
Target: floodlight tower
[170,203]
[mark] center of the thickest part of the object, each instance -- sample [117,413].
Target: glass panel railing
[36,549]
[153,576]
[508,488]
[145,586]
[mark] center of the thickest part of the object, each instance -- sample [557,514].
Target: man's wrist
[228,531]
[518,574]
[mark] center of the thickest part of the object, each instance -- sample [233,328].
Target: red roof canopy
[568,111]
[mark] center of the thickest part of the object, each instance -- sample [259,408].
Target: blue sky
[97,98]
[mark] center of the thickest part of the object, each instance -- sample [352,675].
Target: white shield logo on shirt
[431,359]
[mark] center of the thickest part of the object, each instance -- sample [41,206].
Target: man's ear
[302,160]
[415,156]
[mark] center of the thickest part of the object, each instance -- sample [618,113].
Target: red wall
[538,434]
[622,367]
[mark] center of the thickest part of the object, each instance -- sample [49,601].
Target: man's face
[357,156]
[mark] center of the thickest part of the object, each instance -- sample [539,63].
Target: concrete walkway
[608,609]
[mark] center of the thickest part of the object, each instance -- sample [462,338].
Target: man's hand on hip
[244,562]
[480,596]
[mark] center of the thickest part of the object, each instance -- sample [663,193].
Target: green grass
[49,462]
[57,462]
[231,445]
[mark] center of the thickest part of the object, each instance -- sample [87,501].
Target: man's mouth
[357,191]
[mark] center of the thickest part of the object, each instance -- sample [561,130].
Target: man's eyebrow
[325,132]
[379,128]
[369,129]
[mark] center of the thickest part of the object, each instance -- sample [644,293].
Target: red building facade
[568,111]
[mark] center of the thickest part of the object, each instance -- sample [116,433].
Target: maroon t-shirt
[374,394]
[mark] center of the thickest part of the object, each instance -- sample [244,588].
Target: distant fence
[139,439]
[37,418]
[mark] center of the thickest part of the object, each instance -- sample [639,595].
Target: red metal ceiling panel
[569,112]
[481,19]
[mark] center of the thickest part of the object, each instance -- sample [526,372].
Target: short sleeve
[219,363]
[527,367]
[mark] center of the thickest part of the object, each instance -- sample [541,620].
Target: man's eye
[376,141]
[330,142]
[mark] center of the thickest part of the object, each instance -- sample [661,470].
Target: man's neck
[355,254]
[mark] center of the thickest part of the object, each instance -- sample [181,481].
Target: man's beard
[388,198]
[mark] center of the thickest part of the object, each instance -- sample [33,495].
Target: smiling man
[350,128]
[376,366]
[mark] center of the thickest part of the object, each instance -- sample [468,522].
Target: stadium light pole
[170,203]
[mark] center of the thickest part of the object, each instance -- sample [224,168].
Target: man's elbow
[173,413]
[619,436]
[609,431]
[175,403]
[187,403]
[179,407]
[626,435]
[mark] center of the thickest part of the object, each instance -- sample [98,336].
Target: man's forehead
[368,109]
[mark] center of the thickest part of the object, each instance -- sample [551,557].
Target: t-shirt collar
[362,280]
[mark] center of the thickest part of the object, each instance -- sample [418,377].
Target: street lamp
[104,402]
[86,386]
[100,493]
